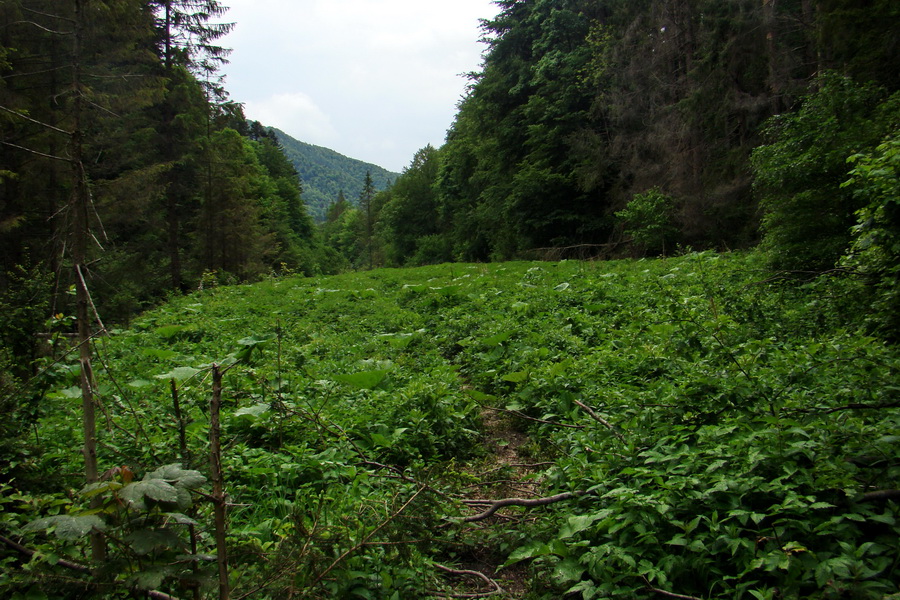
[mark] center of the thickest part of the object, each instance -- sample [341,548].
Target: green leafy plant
[649,218]
[875,251]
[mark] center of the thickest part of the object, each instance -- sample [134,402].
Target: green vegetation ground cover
[721,433]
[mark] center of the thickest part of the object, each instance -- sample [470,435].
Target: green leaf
[365,380]
[153,489]
[516,377]
[145,541]
[175,474]
[181,519]
[71,392]
[497,339]
[151,578]
[179,373]
[580,523]
[532,550]
[69,527]
[169,331]
[159,353]
[568,570]
[253,413]
[256,340]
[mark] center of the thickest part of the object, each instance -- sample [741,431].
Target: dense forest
[608,122]
[695,422]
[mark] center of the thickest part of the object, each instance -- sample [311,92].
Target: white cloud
[380,78]
[295,113]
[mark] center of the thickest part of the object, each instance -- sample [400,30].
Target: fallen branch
[599,419]
[496,505]
[478,574]
[73,566]
[522,415]
[668,594]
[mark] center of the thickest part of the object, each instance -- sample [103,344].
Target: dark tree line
[582,107]
[116,106]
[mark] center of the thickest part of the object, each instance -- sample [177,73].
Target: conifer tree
[367,213]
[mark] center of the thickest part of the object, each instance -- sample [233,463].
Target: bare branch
[48,15]
[42,28]
[478,574]
[30,151]
[599,419]
[522,415]
[864,407]
[103,330]
[366,539]
[667,594]
[35,121]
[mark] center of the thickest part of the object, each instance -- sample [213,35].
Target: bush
[807,216]
[875,180]
[648,220]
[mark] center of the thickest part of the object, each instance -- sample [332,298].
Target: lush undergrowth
[720,435]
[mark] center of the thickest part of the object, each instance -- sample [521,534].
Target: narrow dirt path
[508,470]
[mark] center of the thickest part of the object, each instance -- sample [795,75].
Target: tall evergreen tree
[186,45]
[368,213]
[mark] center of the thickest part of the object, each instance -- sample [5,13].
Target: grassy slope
[735,465]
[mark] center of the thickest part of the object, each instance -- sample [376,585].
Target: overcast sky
[372,79]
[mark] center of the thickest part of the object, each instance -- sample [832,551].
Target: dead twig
[593,414]
[656,590]
[522,415]
[477,574]
[366,539]
[496,505]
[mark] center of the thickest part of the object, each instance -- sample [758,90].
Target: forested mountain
[325,173]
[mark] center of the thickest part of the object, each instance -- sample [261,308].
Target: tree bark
[80,234]
[218,481]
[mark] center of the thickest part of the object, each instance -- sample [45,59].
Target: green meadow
[689,427]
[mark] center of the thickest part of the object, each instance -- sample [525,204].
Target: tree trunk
[218,481]
[80,233]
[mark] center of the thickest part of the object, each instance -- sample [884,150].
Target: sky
[375,80]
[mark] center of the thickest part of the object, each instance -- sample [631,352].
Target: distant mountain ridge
[325,173]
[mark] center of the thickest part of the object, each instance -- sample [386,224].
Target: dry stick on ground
[521,415]
[600,419]
[497,589]
[667,594]
[528,503]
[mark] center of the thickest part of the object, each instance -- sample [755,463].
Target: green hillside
[325,173]
[628,429]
